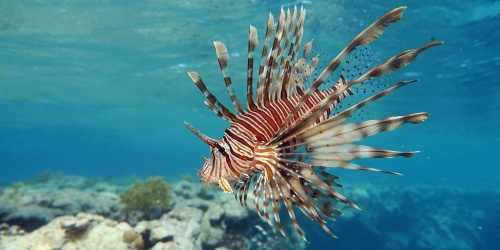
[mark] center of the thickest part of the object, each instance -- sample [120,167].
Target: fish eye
[222,150]
[219,151]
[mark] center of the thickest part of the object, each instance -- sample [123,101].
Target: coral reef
[83,231]
[35,203]
[198,219]
[424,217]
[48,215]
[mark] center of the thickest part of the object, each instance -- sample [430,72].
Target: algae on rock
[143,197]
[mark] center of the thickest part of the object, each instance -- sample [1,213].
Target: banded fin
[324,150]
[252,43]
[398,61]
[277,66]
[212,101]
[351,132]
[296,76]
[241,188]
[223,58]
[309,118]
[366,36]
[302,168]
[262,68]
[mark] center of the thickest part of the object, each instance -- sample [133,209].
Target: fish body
[281,145]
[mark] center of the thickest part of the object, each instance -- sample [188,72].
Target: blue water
[99,88]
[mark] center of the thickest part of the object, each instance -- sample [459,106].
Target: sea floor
[57,211]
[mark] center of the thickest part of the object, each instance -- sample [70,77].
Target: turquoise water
[99,88]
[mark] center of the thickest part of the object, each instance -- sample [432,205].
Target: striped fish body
[248,135]
[280,147]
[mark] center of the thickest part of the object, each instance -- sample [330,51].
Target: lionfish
[282,144]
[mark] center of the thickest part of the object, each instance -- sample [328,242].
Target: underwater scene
[104,129]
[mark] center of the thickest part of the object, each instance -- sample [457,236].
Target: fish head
[215,168]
